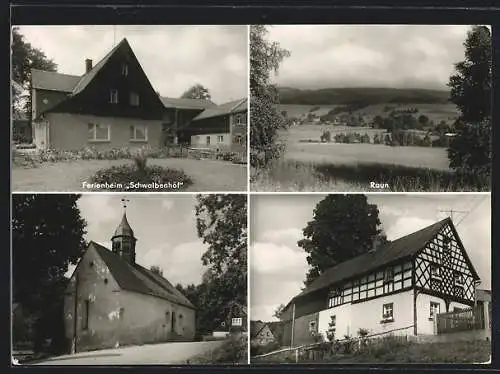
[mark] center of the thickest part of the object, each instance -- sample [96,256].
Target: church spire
[123,240]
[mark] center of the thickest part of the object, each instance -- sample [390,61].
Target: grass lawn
[352,154]
[291,176]
[66,176]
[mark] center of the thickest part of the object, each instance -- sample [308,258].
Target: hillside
[361,96]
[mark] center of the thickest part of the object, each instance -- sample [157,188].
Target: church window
[85,316]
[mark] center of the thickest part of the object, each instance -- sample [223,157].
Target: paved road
[166,353]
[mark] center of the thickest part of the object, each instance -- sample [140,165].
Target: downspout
[293,325]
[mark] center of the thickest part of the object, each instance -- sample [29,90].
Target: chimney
[88,65]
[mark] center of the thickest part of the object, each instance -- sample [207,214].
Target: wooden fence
[463,320]
[316,351]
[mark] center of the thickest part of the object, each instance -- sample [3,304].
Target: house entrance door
[41,134]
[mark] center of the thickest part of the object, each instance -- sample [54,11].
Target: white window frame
[208,140]
[134,99]
[134,138]
[113,96]
[96,140]
[220,139]
[236,321]
[385,309]
[458,279]
[432,310]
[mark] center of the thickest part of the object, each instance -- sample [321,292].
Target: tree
[197,92]
[279,311]
[378,122]
[24,58]
[265,121]
[343,227]
[47,236]
[221,222]
[157,270]
[470,149]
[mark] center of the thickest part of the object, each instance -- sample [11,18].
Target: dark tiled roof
[169,102]
[124,228]
[405,246]
[47,80]
[223,109]
[138,279]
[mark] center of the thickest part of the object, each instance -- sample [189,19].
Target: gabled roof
[403,247]
[136,278]
[169,102]
[276,327]
[223,109]
[256,327]
[74,84]
[87,78]
[51,81]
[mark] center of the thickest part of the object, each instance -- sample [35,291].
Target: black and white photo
[374,279]
[110,279]
[375,108]
[129,108]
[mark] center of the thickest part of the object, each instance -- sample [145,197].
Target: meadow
[315,166]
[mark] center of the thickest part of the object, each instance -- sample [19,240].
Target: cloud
[414,56]
[292,234]
[180,264]
[271,258]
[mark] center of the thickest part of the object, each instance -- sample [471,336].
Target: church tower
[123,240]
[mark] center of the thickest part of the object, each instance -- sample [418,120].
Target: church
[112,301]
[400,287]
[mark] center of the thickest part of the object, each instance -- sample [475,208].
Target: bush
[263,349]
[122,176]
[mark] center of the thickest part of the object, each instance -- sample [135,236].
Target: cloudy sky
[399,56]
[173,57]
[278,265]
[164,226]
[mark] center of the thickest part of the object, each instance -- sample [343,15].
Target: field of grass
[297,110]
[354,154]
[292,176]
[456,352]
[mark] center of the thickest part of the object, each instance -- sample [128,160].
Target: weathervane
[451,211]
[125,201]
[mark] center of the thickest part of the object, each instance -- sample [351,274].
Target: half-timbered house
[396,288]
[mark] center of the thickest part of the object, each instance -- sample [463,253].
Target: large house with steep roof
[397,288]
[112,301]
[113,105]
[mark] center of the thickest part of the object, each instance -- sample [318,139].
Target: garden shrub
[122,176]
